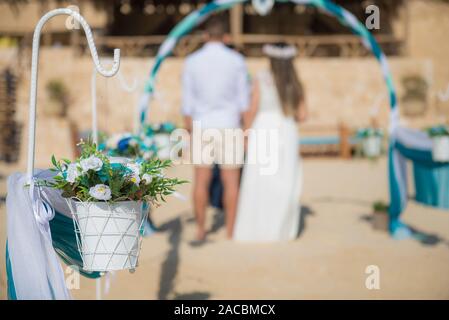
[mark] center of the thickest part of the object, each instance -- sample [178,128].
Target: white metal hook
[122,81]
[93,88]
[34,69]
[124,84]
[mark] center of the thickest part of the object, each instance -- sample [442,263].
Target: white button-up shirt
[216,86]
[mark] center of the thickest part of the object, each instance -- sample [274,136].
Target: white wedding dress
[269,208]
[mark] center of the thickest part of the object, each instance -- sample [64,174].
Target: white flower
[100,192]
[72,172]
[134,167]
[148,178]
[135,178]
[91,163]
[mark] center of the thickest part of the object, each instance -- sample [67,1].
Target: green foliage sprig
[438,131]
[380,206]
[96,177]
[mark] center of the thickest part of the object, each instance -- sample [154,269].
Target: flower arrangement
[142,146]
[438,131]
[130,146]
[158,128]
[95,177]
[369,132]
[371,141]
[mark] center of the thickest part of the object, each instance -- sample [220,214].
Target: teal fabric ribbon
[431,178]
[432,184]
[431,181]
[11,290]
[64,242]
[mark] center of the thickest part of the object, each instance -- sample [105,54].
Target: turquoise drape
[64,242]
[431,178]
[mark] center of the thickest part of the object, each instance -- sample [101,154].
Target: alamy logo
[373,20]
[372,281]
[227,147]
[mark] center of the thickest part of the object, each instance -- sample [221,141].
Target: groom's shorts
[224,147]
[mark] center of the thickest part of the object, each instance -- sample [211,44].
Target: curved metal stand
[34,72]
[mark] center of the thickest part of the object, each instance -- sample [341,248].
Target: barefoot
[200,235]
[200,239]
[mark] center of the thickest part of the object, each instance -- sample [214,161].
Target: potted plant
[371,139]
[129,146]
[106,199]
[161,134]
[380,216]
[440,145]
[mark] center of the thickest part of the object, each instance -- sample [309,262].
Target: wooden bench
[327,140]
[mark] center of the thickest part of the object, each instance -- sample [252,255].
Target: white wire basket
[372,146]
[440,149]
[109,235]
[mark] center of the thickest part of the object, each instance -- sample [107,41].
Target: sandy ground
[327,261]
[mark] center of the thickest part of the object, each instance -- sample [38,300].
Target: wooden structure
[251,44]
[139,31]
[322,140]
[139,27]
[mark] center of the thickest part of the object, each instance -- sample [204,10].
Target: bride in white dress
[269,207]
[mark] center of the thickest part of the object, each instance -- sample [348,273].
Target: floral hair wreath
[279,52]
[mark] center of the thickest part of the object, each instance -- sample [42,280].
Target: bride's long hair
[288,85]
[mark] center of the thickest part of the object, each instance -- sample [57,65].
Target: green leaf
[53,161]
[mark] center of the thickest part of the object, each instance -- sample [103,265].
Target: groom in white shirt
[215,95]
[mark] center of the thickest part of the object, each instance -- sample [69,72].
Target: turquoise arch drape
[197,17]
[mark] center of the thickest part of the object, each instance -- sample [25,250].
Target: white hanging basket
[440,149]
[372,146]
[108,235]
[163,144]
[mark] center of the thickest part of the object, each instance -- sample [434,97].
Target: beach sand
[328,260]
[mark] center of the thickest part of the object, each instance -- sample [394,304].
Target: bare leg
[231,182]
[203,176]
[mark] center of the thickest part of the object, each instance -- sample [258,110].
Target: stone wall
[428,39]
[22,17]
[337,90]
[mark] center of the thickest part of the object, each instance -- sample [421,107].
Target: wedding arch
[396,169]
